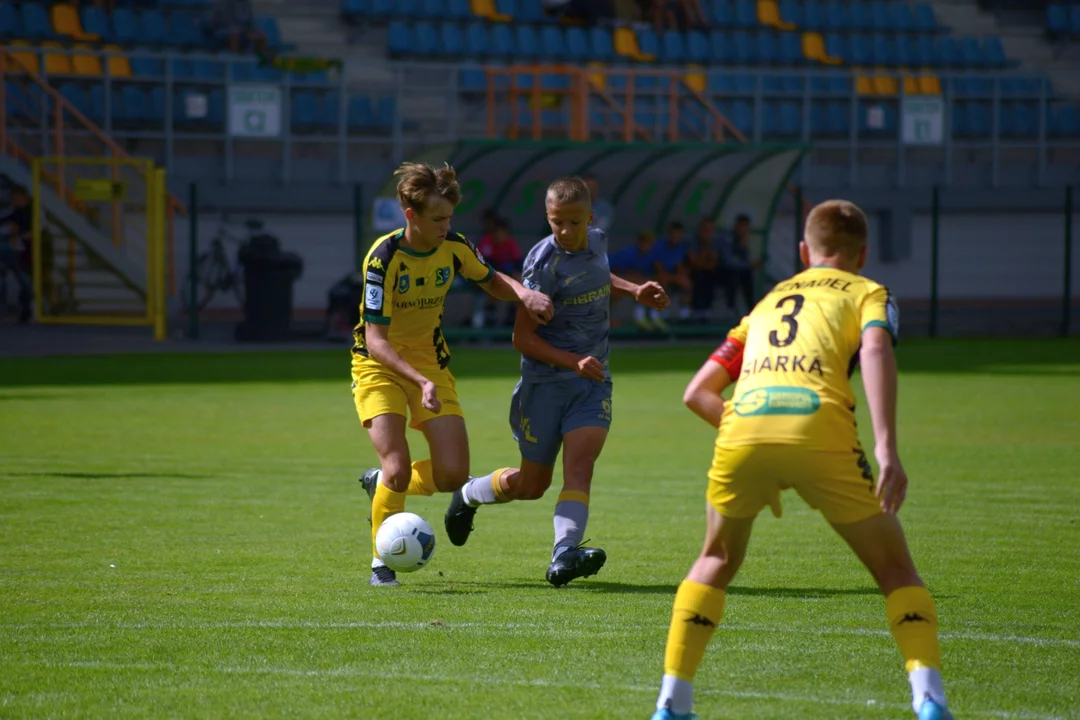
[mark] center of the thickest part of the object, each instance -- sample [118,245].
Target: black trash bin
[269,275]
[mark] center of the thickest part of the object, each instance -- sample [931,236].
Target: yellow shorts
[745,478]
[377,391]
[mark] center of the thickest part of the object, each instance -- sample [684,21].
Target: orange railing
[66,126]
[579,88]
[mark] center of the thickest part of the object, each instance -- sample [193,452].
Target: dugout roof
[648,185]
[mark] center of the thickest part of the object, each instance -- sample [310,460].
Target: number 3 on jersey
[789,320]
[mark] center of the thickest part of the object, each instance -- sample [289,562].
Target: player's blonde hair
[836,227]
[568,190]
[421,182]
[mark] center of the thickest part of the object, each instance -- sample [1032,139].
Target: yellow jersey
[407,290]
[799,347]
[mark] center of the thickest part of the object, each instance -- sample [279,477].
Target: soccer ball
[405,542]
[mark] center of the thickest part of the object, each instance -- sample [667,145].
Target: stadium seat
[527,42]
[835,17]
[425,39]
[303,112]
[859,17]
[970,53]
[791,12]
[1065,121]
[994,52]
[924,19]
[502,42]
[746,14]
[900,17]
[472,80]
[65,21]
[721,48]
[881,16]
[96,22]
[56,63]
[648,43]
[451,40]
[147,67]
[35,22]
[552,42]
[949,52]
[432,9]
[329,113]
[184,32]
[153,30]
[723,15]
[400,40]
[76,95]
[134,105]
[87,62]
[125,26]
[789,50]
[768,14]
[355,9]
[1057,20]
[601,44]
[117,65]
[10,24]
[268,25]
[459,10]
[765,49]
[476,39]
[360,114]
[672,47]
[577,43]
[697,47]
[744,51]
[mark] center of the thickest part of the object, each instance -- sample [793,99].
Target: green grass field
[183,535]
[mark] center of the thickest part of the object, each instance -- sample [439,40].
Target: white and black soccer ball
[405,542]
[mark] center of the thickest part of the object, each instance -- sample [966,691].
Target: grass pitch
[184,536]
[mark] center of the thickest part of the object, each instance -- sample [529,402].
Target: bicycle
[215,272]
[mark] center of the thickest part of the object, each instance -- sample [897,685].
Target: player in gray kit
[563,398]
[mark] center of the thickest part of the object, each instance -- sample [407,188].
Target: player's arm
[704,394]
[878,366]
[499,285]
[528,342]
[649,293]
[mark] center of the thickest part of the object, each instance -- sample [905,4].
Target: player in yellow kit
[791,423]
[400,361]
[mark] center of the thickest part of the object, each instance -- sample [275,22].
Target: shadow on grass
[1053,357]
[107,476]
[604,587]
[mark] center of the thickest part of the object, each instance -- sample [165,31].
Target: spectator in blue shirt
[670,267]
[635,264]
[738,265]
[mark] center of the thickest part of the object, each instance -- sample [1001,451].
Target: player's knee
[396,474]
[450,478]
[532,486]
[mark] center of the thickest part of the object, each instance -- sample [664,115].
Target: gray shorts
[542,413]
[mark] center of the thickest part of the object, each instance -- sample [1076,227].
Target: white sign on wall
[255,111]
[923,120]
[388,214]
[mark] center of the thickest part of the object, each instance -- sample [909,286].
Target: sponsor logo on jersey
[376,263]
[777,401]
[374,277]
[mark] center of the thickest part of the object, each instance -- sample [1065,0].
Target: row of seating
[135,106]
[82,60]
[1063,20]
[123,26]
[448,40]
[880,15]
[833,119]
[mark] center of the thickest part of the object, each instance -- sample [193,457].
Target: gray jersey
[579,285]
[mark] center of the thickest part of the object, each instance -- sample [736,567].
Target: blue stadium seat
[11,25]
[672,47]
[153,30]
[125,26]
[949,51]
[813,16]
[94,20]
[425,38]
[927,51]
[1014,87]
[400,41]
[772,85]
[746,14]
[723,15]
[476,39]
[900,17]
[978,120]
[904,51]
[648,42]
[157,104]
[958,120]
[577,43]
[459,10]
[355,9]
[472,80]
[528,44]
[790,50]
[268,25]
[745,84]
[507,7]
[77,95]
[184,32]
[1057,19]
[722,48]
[839,84]
[1074,19]
[742,117]
[552,42]
[791,11]
[721,84]
[531,11]
[144,66]
[1065,121]
[1023,119]
[971,86]
[770,119]
[839,117]
[502,43]
[134,104]
[924,18]
[883,51]
[859,50]
[360,115]
[433,9]
[881,16]
[836,45]
[859,17]
[835,17]
[994,52]
[744,50]
[181,69]
[303,112]
[394,8]
[600,42]
[451,40]
[697,47]
[790,119]
[329,113]
[971,52]
[385,111]
[765,50]
[35,22]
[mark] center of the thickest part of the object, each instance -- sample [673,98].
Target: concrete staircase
[1024,42]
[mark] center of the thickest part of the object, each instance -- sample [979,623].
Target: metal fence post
[935,213]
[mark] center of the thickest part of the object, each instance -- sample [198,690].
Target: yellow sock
[423,479]
[385,503]
[697,612]
[496,485]
[914,624]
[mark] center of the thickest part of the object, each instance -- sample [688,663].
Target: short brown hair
[420,182]
[836,227]
[567,190]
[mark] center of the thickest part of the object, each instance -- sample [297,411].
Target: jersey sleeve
[535,275]
[879,309]
[730,354]
[468,262]
[378,294]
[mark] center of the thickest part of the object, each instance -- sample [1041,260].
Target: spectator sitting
[634,263]
[501,251]
[738,267]
[674,14]
[15,249]
[670,266]
[704,261]
[234,22]
[592,12]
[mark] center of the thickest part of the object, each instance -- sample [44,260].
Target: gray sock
[571,517]
[478,491]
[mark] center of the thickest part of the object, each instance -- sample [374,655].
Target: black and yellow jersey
[407,290]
